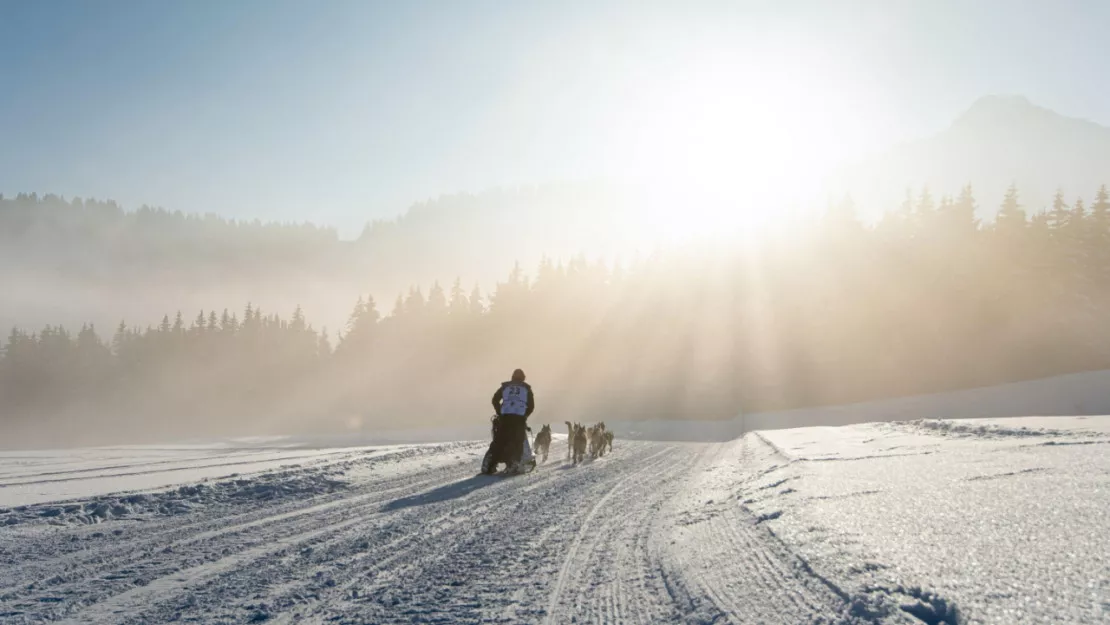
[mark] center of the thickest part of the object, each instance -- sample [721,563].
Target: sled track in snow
[104,565]
[614,540]
[767,585]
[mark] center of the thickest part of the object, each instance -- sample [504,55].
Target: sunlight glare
[721,148]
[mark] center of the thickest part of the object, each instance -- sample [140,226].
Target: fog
[820,311]
[657,214]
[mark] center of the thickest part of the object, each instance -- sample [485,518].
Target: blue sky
[341,112]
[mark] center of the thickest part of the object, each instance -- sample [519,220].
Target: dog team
[594,440]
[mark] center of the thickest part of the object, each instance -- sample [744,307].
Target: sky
[341,112]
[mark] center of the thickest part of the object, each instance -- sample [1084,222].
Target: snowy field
[985,521]
[29,477]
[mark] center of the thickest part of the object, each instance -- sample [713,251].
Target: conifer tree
[459,303]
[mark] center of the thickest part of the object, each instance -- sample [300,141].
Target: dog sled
[490,460]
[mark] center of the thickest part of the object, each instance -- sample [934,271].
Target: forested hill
[74,260]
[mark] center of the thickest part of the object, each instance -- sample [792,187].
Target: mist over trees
[927,299]
[83,260]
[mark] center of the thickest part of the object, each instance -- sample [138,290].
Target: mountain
[999,141]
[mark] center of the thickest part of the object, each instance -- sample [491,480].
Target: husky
[543,442]
[579,440]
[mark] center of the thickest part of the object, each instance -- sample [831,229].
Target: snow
[1064,395]
[1004,518]
[921,521]
[28,477]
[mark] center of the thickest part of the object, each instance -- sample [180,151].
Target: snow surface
[28,477]
[1063,395]
[963,521]
[1005,519]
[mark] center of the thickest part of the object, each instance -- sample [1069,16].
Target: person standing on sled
[513,403]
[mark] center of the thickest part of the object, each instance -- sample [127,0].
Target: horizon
[239,110]
[640,195]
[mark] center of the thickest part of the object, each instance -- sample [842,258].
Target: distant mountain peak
[1004,102]
[1003,109]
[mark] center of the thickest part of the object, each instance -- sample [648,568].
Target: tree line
[93,238]
[926,299]
[132,263]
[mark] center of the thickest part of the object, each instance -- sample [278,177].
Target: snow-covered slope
[990,521]
[1086,393]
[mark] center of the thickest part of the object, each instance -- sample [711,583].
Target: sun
[715,152]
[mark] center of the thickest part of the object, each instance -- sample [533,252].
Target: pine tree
[361,326]
[958,217]
[200,324]
[509,296]
[297,323]
[87,339]
[1059,215]
[415,303]
[371,316]
[355,318]
[477,309]
[459,303]
[323,345]
[898,224]
[436,306]
[1097,238]
[251,320]
[1074,253]
[119,339]
[924,211]
[1010,222]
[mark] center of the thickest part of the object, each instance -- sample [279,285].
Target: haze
[344,112]
[705,201]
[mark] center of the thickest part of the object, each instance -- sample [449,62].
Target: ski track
[612,540]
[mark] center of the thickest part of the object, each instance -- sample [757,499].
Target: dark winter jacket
[515,398]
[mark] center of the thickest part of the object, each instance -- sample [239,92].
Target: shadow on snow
[454,490]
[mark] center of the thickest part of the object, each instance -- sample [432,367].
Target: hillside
[998,141]
[76,260]
[71,260]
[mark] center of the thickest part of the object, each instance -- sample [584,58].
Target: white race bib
[514,399]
